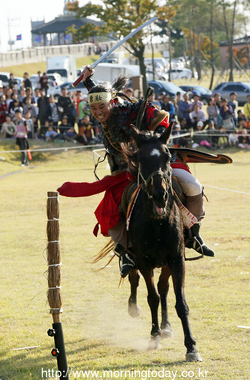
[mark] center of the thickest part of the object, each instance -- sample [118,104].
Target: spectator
[53,112]
[85,131]
[212,134]
[213,111]
[66,129]
[65,106]
[16,106]
[36,97]
[43,104]
[3,110]
[14,97]
[12,81]
[196,100]
[37,80]
[217,99]
[246,107]
[183,124]
[21,136]
[168,106]
[52,135]
[226,113]
[185,108]
[197,115]
[176,135]
[83,108]
[28,107]
[233,138]
[26,81]
[241,121]
[8,128]
[244,142]
[156,103]
[177,107]
[30,124]
[28,94]
[223,139]
[44,82]
[247,123]
[234,104]
[77,100]
[21,95]
[199,137]
[8,97]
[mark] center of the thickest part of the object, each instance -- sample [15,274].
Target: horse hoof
[167,333]
[154,343]
[193,357]
[134,311]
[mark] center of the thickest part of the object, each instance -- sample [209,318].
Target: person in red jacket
[116,117]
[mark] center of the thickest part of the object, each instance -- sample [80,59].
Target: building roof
[237,41]
[61,23]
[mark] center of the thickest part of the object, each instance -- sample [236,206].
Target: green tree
[120,17]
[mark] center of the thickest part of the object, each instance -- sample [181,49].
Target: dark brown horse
[156,232]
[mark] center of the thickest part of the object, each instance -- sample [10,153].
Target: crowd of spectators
[46,118]
[220,124]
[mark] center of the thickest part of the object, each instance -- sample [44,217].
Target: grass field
[99,335]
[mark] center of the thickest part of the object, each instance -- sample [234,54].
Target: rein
[166,178]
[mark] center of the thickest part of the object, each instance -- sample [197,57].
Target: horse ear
[165,137]
[135,134]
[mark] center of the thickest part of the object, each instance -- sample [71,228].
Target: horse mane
[130,150]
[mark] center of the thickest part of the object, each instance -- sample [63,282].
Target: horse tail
[104,252]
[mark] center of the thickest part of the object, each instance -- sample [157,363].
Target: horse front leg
[163,287]
[153,301]
[133,310]
[178,275]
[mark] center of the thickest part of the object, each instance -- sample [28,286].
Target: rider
[115,117]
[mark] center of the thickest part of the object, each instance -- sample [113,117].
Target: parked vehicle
[63,65]
[168,88]
[4,77]
[158,76]
[182,73]
[242,89]
[205,93]
[111,71]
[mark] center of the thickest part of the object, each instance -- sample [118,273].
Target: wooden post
[54,281]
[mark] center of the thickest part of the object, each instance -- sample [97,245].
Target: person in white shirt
[197,115]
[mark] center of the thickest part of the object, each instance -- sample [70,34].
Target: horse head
[154,171]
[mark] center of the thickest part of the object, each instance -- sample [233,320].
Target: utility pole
[11,42]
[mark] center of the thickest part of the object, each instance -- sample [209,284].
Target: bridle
[165,176]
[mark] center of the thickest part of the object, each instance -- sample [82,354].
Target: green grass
[98,333]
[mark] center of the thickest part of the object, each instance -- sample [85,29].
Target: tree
[230,34]
[120,17]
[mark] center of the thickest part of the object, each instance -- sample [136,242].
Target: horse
[157,235]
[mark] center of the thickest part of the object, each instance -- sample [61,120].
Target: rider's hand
[87,72]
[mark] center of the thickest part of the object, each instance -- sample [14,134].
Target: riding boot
[196,242]
[126,260]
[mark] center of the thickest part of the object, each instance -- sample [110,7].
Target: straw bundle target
[54,257]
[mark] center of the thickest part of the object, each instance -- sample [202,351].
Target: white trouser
[189,184]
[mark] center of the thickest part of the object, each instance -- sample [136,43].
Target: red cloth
[107,213]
